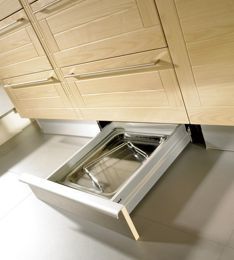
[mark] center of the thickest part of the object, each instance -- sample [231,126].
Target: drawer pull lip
[46,6]
[12,23]
[42,81]
[103,73]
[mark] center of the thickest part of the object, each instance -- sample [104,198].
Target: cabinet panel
[9,7]
[92,30]
[208,31]
[21,52]
[39,96]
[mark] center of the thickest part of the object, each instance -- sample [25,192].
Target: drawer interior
[111,163]
[123,160]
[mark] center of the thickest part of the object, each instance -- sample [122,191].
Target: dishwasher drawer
[114,171]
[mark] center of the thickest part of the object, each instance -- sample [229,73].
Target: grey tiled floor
[188,215]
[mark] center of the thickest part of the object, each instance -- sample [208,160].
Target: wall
[219,137]
[10,125]
[5,102]
[68,127]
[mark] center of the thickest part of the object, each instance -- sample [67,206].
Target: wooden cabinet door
[40,95]
[21,52]
[139,87]
[208,30]
[91,30]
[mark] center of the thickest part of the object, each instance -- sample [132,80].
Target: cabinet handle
[10,24]
[46,6]
[129,69]
[42,81]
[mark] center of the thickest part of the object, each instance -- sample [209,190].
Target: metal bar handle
[10,24]
[137,150]
[89,164]
[118,147]
[124,69]
[42,81]
[94,180]
[46,6]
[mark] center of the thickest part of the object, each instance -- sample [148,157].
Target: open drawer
[114,171]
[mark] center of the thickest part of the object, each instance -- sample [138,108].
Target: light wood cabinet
[83,31]
[116,60]
[113,57]
[138,87]
[207,32]
[40,95]
[21,52]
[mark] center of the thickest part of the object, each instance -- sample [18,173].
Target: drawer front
[21,52]
[133,90]
[93,30]
[130,193]
[39,96]
[144,81]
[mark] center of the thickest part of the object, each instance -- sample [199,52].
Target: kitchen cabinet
[207,32]
[166,61]
[114,58]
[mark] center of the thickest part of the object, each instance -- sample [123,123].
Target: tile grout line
[14,207]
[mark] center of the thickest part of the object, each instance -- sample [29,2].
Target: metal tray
[112,162]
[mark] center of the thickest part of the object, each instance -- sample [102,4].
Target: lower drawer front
[124,87]
[134,188]
[134,90]
[40,97]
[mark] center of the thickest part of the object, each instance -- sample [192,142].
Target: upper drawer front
[39,95]
[139,80]
[21,52]
[93,30]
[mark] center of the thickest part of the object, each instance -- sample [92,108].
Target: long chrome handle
[129,69]
[42,81]
[46,6]
[10,24]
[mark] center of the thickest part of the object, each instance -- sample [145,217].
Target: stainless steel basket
[112,162]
